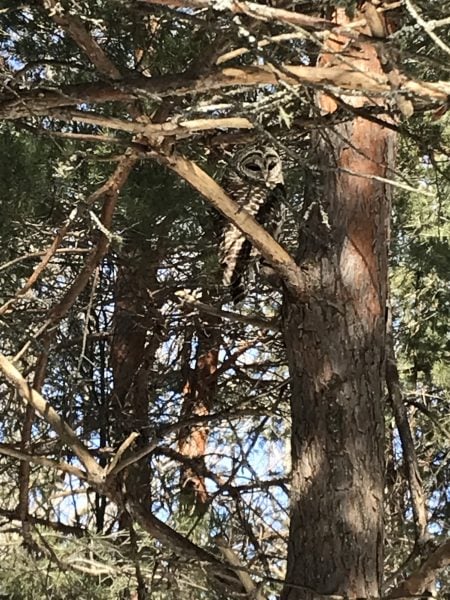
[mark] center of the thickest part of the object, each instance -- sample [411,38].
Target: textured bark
[335,338]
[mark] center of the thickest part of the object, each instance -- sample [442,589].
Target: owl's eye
[272,165]
[253,167]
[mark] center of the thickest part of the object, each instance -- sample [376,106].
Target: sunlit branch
[48,413]
[275,254]
[424,576]
[29,103]
[75,27]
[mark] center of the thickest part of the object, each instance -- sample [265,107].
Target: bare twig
[427,27]
[260,322]
[177,126]
[257,11]
[31,255]
[41,460]
[233,559]
[42,265]
[110,191]
[12,515]
[120,452]
[172,539]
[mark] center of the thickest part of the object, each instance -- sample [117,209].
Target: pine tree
[152,458]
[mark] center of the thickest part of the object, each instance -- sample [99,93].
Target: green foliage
[421,254]
[420,289]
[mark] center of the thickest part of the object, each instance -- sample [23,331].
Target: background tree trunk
[137,335]
[198,398]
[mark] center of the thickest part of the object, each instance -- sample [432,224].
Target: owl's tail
[236,259]
[239,260]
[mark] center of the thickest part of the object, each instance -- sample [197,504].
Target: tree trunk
[199,392]
[137,336]
[335,338]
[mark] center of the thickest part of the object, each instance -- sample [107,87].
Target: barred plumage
[256,184]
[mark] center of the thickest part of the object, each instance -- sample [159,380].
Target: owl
[255,182]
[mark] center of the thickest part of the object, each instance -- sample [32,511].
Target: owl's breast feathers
[238,258]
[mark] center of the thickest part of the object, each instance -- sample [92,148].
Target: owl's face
[262,166]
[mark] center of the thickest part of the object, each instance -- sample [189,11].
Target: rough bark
[335,338]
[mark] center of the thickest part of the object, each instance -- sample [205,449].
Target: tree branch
[13,515]
[424,576]
[75,27]
[409,454]
[176,127]
[41,460]
[50,252]
[110,190]
[275,254]
[233,559]
[39,101]
[261,322]
[66,433]
[257,11]
[219,572]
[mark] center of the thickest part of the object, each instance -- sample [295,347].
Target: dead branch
[31,255]
[50,252]
[41,460]
[252,9]
[233,559]
[13,515]
[177,126]
[186,299]
[172,539]
[409,454]
[110,190]
[262,12]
